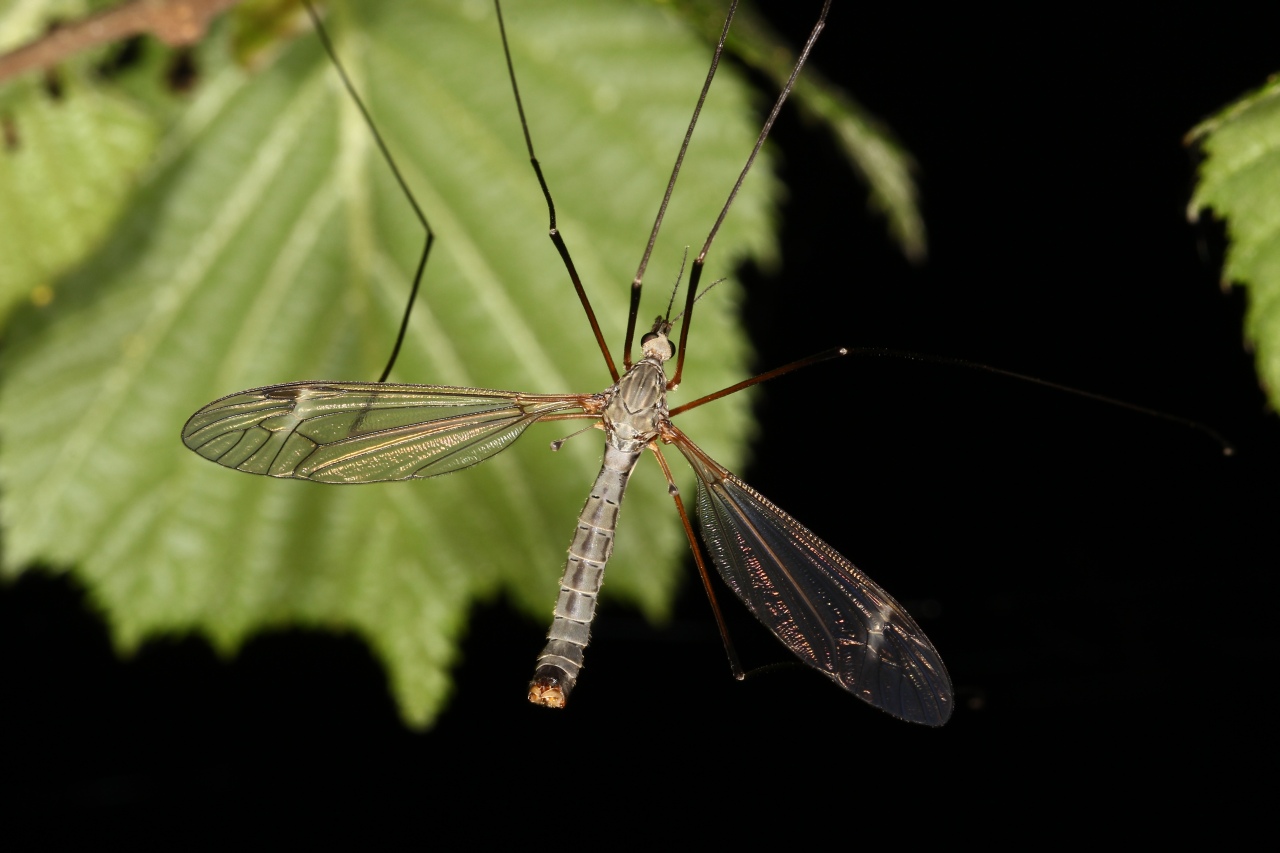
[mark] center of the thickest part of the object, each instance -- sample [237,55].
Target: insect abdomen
[561,659]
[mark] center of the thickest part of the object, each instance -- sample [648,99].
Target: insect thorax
[637,405]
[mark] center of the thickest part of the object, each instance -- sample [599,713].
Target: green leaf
[67,166]
[1240,183]
[269,243]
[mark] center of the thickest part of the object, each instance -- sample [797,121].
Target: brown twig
[174,22]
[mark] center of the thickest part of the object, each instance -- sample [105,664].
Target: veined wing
[367,432]
[816,602]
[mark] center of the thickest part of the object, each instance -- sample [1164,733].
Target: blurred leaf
[69,156]
[1240,183]
[268,243]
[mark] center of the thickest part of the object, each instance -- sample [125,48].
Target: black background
[1100,584]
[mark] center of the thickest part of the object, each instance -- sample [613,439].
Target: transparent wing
[832,616]
[366,432]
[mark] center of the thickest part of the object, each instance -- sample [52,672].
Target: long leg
[637,282]
[734,666]
[395,170]
[552,231]
[756,380]
[696,275]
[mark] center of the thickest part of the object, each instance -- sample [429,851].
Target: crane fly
[829,614]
